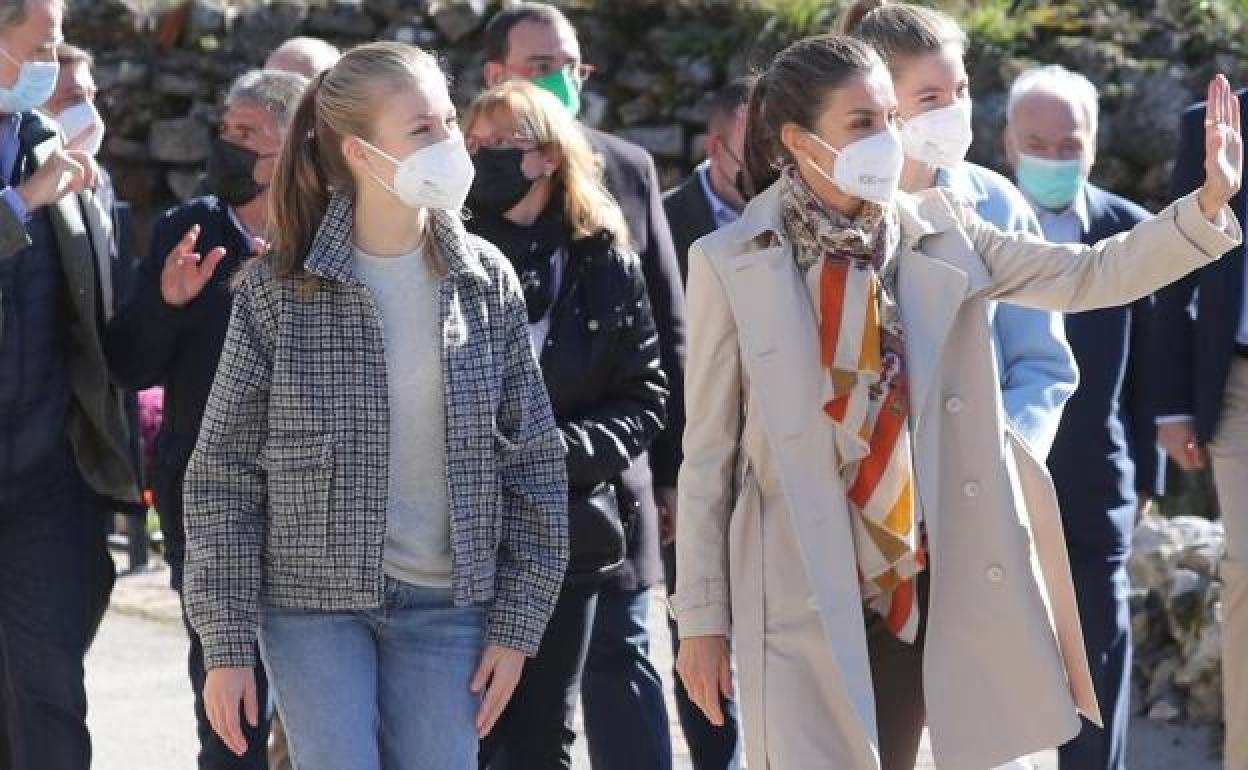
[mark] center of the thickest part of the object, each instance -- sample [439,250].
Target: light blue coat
[1037,367]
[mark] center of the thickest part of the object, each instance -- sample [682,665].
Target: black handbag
[596,532]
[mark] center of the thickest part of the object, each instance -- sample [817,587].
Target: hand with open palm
[187,272]
[1224,148]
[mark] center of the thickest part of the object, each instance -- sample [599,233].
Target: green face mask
[564,85]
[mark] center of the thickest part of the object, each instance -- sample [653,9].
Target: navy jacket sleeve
[1138,403]
[1172,332]
[143,337]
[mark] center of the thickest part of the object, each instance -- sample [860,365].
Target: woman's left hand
[1224,148]
[496,681]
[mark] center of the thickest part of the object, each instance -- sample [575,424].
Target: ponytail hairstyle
[898,31]
[340,102]
[793,89]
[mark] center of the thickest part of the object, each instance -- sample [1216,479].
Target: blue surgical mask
[35,83]
[1050,183]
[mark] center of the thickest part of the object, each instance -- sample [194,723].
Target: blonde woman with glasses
[538,196]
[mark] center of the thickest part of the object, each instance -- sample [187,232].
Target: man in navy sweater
[172,329]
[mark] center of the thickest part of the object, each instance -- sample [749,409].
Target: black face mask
[231,173]
[500,183]
[738,179]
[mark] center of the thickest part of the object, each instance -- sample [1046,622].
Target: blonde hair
[588,208]
[900,30]
[342,101]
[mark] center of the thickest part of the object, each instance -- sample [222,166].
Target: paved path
[141,705]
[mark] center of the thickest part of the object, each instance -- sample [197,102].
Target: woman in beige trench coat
[766,547]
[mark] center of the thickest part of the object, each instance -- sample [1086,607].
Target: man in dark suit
[65,458]
[709,199]
[1200,340]
[625,715]
[713,195]
[1104,460]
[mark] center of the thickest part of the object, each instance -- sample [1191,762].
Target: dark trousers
[626,723]
[7,710]
[213,753]
[897,679]
[710,747]
[51,543]
[537,730]
[101,574]
[1102,589]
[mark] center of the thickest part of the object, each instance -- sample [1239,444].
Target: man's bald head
[307,56]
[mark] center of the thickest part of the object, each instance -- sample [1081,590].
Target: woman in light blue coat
[923,49]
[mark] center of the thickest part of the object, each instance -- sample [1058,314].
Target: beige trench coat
[764,548]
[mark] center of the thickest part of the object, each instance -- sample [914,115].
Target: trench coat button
[971,489]
[994,574]
[954,405]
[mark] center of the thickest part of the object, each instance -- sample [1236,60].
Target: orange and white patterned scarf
[850,268]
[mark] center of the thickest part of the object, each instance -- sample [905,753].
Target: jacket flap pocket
[297,453]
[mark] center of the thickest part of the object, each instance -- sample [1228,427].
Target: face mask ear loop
[369,168]
[811,161]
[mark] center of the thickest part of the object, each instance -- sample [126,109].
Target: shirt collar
[332,254]
[238,225]
[961,183]
[1078,210]
[9,124]
[722,212]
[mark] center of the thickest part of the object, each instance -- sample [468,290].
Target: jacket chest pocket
[300,486]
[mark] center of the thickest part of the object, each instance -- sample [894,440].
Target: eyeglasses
[524,144]
[581,72]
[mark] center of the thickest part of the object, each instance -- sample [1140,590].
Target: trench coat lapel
[931,292]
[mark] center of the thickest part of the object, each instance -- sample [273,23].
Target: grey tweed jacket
[286,490]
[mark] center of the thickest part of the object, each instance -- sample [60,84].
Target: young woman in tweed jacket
[379,489]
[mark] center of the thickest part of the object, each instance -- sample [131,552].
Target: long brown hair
[340,102]
[900,30]
[793,89]
[588,208]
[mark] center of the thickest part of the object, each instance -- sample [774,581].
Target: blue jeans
[378,689]
[622,693]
